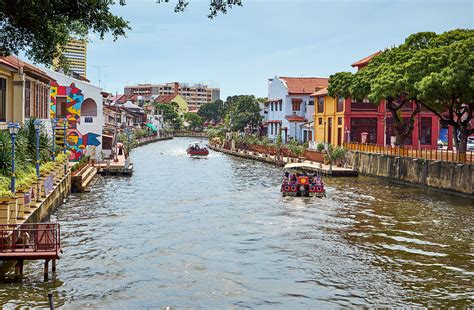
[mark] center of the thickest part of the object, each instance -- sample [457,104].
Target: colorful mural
[76,141]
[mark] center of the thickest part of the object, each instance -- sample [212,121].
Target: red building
[369,123]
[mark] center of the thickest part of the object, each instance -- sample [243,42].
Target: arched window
[89,108]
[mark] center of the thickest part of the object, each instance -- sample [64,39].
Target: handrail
[412,152]
[30,237]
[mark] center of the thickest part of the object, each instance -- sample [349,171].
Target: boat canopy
[152,127]
[300,166]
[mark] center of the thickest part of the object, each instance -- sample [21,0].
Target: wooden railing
[412,152]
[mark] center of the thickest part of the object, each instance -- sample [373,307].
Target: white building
[289,107]
[81,103]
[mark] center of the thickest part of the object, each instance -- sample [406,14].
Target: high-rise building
[75,52]
[195,94]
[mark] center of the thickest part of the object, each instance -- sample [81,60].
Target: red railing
[412,152]
[35,240]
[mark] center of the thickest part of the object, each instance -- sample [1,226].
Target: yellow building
[24,91]
[75,52]
[328,118]
[178,100]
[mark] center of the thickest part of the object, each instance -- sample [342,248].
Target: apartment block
[195,94]
[75,53]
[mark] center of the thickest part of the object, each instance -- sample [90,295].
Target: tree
[41,27]
[395,77]
[195,121]
[170,114]
[212,110]
[446,81]
[242,110]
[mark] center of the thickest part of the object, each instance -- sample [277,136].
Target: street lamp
[13,128]
[37,123]
[54,123]
[64,134]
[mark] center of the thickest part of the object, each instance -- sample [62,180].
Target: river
[215,233]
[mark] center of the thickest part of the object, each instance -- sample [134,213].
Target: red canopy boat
[297,182]
[194,149]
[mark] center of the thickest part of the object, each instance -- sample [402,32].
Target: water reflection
[215,232]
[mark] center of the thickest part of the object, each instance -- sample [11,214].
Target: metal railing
[30,238]
[413,152]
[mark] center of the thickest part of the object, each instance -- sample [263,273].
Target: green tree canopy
[195,121]
[242,110]
[212,110]
[41,27]
[427,69]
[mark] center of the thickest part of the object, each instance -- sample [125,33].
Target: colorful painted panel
[76,142]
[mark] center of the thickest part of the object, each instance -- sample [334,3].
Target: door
[329,130]
[339,136]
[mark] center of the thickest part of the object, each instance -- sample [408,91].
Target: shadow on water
[216,233]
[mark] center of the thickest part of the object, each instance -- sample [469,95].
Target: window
[89,108]
[281,103]
[425,131]
[340,105]
[61,107]
[296,105]
[3,99]
[271,106]
[27,98]
[339,120]
[320,121]
[320,104]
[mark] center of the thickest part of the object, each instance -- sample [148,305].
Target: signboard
[48,184]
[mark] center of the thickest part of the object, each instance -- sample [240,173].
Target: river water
[215,233]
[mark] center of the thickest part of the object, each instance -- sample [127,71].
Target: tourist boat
[195,149]
[297,182]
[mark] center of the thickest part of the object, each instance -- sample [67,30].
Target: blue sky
[239,51]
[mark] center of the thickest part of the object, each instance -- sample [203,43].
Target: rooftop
[304,85]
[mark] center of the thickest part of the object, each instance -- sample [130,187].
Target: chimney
[176,87]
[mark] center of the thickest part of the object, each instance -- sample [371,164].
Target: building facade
[81,104]
[178,100]
[328,118]
[75,52]
[195,95]
[24,91]
[290,108]
[368,122]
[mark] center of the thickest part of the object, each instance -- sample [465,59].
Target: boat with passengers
[298,182]
[196,149]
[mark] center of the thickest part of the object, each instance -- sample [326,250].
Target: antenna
[98,68]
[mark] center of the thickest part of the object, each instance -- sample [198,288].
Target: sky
[240,51]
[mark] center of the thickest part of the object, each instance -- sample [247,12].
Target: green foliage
[295,147]
[216,132]
[320,147]
[212,111]
[242,110]
[195,121]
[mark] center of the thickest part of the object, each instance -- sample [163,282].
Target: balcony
[363,106]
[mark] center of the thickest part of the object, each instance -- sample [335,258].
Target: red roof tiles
[295,118]
[165,98]
[321,92]
[304,85]
[365,61]
[16,63]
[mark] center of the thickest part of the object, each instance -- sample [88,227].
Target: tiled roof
[321,92]
[165,98]
[304,85]
[365,60]
[16,63]
[295,118]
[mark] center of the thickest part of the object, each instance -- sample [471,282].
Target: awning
[152,127]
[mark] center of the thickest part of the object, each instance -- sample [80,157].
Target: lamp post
[13,128]
[64,134]
[37,123]
[54,123]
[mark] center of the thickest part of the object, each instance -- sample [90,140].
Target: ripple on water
[216,233]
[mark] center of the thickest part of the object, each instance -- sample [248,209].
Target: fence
[411,152]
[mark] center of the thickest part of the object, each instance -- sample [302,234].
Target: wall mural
[75,140]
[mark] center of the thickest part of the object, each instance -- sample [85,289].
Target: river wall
[456,177]
[152,139]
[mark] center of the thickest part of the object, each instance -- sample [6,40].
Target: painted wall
[84,132]
[322,131]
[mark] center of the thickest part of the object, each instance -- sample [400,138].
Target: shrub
[320,147]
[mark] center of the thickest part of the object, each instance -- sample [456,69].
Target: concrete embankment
[450,176]
[152,139]
[272,159]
